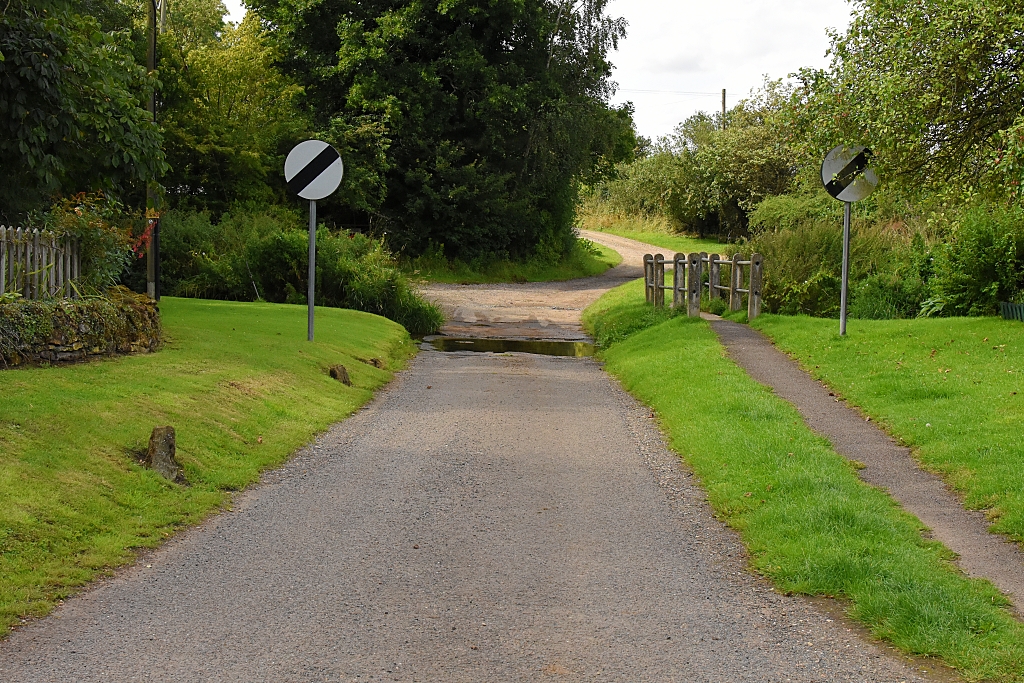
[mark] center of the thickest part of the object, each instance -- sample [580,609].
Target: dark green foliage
[981,262]
[74,329]
[263,254]
[463,124]
[71,106]
[803,267]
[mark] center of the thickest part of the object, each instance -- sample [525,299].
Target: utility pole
[723,108]
[152,218]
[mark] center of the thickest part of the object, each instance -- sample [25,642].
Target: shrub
[104,229]
[263,254]
[980,263]
[803,267]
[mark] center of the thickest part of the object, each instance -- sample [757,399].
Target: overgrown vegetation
[264,255]
[240,384]
[811,526]
[934,89]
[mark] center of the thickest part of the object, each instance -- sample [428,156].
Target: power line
[672,92]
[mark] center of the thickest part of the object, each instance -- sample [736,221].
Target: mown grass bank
[950,388]
[656,232]
[810,524]
[593,259]
[243,389]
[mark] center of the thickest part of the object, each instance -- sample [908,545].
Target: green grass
[951,388]
[581,263]
[652,231]
[241,386]
[810,524]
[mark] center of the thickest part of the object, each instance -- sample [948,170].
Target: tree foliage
[927,84]
[462,123]
[71,104]
[227,113]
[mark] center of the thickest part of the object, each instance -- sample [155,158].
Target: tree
[71,106]
[927,84]
[227,113]
[462,123]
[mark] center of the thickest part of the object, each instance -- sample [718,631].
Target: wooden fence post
[36,253]
[659,281]
[678,280]
[648,278]
[714,276]
[3,260]
[693,278]
[754,296]
[735,283]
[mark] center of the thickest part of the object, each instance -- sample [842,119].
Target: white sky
[680,47]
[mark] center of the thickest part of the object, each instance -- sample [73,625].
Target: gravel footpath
[486,518]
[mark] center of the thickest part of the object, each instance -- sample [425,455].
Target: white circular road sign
[313,169]
[847,174]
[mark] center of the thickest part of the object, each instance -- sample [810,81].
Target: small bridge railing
[689,282]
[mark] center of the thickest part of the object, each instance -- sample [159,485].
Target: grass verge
[593,259]
[810,524]
[653,231]
[950,388]
[241,386]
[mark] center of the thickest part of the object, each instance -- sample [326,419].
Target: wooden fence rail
[38,264]
[688,280]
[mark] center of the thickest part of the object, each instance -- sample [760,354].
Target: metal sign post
[313,170]
[847,176]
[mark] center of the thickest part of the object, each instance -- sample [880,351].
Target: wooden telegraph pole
[152,216]
[723,108]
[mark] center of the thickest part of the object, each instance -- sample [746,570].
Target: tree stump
[160,457]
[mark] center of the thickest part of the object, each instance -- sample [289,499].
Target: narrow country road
[489,517]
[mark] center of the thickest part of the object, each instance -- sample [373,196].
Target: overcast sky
[679,54]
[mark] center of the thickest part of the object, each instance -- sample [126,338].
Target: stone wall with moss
[70,330]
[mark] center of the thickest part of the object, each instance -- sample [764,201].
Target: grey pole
[312,263]
[846,268]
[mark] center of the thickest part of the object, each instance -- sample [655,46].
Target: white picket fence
[38,264]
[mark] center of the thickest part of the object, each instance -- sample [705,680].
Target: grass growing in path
[651,231]
[810,524]
[434,267]
[951,388]
[243,389]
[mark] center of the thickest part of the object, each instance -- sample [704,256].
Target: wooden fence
[688,281]
[38,264]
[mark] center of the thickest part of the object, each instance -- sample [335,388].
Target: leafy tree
[226,112]
[462,123]
[928,84]
[71,105]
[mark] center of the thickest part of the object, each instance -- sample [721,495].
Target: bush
[803,270]
[980,263]
[104,229]
[263,255]
[76,329]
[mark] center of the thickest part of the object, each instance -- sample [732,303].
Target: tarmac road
[487,518]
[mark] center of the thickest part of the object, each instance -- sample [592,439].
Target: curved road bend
[486,518]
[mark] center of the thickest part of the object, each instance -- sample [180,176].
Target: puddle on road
[545,348]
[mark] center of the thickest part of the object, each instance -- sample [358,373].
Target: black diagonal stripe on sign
[844,178]
[301,180]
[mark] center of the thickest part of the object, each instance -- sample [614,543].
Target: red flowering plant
[104,230]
